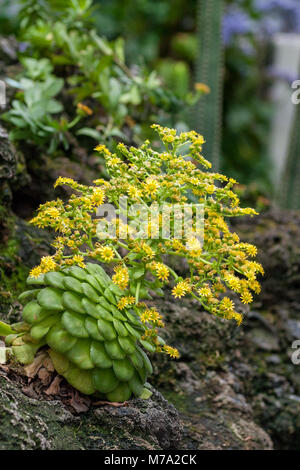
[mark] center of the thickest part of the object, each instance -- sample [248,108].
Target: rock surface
[43,423]
[31,424]
[233,387]
[253,362]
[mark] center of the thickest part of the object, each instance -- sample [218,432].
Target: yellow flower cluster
[205,292]
[151,315]
[47,264]
[172,352]
[121,278]
[216,259]
[125,302]
[146,251]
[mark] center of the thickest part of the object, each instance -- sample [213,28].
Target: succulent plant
[97,327]
[92,344]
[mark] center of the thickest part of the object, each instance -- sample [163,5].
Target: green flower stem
[137,293]
[173,273]
[200,259]
[122,245]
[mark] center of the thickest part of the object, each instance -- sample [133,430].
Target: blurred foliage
[247,116]
[9,20]
[161,35]
[247,110]
[66,59]
[148,26]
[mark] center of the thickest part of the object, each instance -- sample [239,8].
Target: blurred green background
[172,38]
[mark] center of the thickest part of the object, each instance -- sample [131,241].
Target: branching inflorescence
[137,251]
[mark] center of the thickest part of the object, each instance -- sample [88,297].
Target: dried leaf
[80,403]
[45,376]
[54,388]
[48,364]
[32,369]
[29,391]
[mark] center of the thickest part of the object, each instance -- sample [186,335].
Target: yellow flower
[226,305]
[205,292]
[35,272]
[151,315]
[177,245]
[98,197]
[68,181]
[255,286]
[52,212]
[126,301]
[172,352]
[144,247]
[106,253]
[133,192]
[79,259]
[114,161]
[237,317]
[101,181]
[257,267]
[233,282]
[156,318]
[181,289]
[150,186]
[85,109]
[246,297]
[162,271]
[250,249]
[202,87]
[194,245]
[146,316]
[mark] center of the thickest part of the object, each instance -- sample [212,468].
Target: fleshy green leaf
[5,329]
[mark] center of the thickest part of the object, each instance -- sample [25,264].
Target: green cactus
[92,344]
[288,196]
[209,70]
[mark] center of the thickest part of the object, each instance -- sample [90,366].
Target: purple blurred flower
[279,74]
[23,46]
[275,16]
[279,15]
[267,5]
[236,22]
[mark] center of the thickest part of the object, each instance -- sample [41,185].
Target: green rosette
[98,349]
